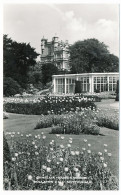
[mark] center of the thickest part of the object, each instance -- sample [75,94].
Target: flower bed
[71,123]
[36,166]
[46,105]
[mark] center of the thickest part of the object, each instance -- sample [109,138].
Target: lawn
[25,125]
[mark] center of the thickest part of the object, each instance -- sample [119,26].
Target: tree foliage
[47,71]
[17,58]
[92,56]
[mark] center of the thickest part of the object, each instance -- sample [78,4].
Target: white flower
[70,138]
[101,158]
[69,145]
[66,169]
[16,154]
[42,133]
[84,149]
[44,137]
[58,163]
[36,153]
[21,135]
[89,145]
[76,169]
[33,143]
[85,140]
[105,145]
[51,149]
[70,141]
[61,146]
[35,136]
[13,159]
[77,174]
[89,151]
[105,165]
[77,152]
[99,153]
[29,177]
[35,147]
[60,183]
[48,160]
[109,154]
[57,135]
[105,150]
[18,133]
[48,169]
[51,143]
[61,159]
[44,167]
[72,153]
[62,137]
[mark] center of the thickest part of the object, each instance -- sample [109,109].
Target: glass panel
[105,79]
[94,87]
[110,87]
[95,79]
[87,79]
[102,87]
[114,87]
[102,80]
[110,79]
[98,87]
[98,79]
[59,81]
[84,87]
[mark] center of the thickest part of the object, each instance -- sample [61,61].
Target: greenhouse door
[78,87]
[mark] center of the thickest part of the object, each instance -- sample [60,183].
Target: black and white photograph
[61,81]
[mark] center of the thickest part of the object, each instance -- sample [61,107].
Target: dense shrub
[11,87]
[117,91]
[107,122]
[47,105]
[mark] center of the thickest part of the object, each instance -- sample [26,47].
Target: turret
[55,41]
[43,41]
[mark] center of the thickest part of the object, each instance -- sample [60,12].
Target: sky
[30,22]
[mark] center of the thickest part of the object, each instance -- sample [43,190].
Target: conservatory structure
[84,83]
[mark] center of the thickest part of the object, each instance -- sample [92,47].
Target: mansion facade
[56,52]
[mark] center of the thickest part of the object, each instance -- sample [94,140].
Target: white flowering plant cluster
[37,166]
[47,104]
[5,115]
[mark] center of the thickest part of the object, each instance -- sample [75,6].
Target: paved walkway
[115,105]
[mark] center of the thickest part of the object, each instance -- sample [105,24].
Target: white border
[1,81]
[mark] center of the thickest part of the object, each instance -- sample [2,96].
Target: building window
[85,84]
[70,85]
[100,84]
[112,83]
[60,85]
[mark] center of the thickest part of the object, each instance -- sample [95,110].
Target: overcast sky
[72,22]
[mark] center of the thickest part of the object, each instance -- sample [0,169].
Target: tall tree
[92,56]
[17,58]
[47,71]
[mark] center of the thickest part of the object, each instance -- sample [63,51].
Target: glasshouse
[83,83]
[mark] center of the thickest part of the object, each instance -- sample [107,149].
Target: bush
[11,87]
[117,91]
[46,105]
[76,124]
